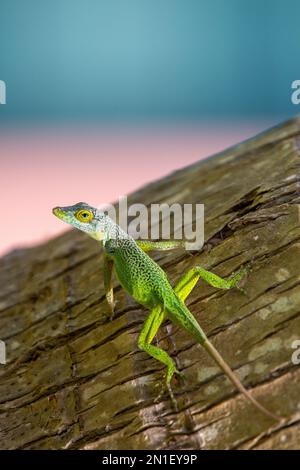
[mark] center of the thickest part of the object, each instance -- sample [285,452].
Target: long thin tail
[230,374]
[180,314]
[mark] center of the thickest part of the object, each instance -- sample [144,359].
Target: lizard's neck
[112,231]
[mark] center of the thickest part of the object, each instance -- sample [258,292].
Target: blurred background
[104,96]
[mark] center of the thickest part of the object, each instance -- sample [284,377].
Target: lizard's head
[84,217]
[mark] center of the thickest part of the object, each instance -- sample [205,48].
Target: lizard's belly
[139,286]
[144,295]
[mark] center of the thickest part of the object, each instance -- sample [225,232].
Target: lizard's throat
[99,236]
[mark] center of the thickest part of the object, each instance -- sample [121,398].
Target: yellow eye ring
[84,216]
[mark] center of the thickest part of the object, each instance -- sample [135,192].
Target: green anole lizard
[148,284]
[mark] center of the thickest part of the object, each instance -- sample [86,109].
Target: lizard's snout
[57,211]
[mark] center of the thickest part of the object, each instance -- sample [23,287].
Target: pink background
[45,167]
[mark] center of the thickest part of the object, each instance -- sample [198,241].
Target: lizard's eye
[84,216]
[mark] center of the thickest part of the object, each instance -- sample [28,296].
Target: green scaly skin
[148,284]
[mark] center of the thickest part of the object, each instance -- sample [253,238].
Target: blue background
[135,60]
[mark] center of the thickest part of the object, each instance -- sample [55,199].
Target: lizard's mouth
[58,212]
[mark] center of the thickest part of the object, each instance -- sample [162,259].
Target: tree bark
[73,379]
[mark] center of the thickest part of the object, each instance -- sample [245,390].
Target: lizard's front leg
[107,275]
[165,245]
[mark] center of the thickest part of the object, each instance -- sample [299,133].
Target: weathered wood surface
[75,380]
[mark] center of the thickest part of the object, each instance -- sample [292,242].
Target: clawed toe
[166,386]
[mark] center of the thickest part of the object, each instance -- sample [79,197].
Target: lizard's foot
[111,316]
[242,290]
[112,309]
[167,386]
[235,278]
[111,313]
[171,395]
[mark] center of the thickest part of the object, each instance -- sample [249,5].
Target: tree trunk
[73,379]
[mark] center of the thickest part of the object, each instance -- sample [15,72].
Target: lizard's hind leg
[146,336]
[188,281]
